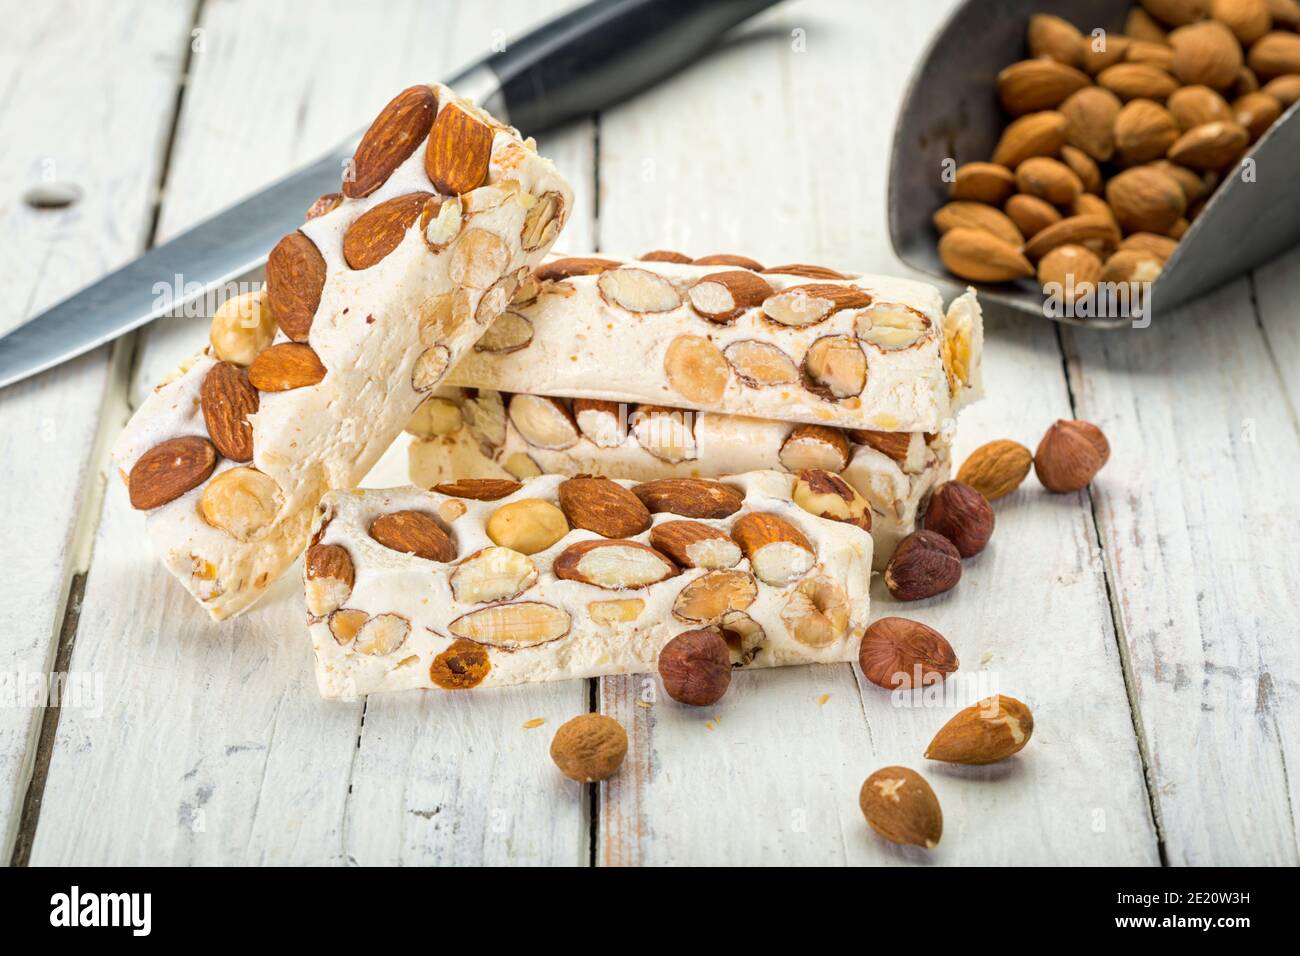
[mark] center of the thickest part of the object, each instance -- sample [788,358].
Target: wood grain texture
[1204,555]
[785,767]
[89,90]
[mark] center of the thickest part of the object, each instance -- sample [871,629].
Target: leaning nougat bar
[479,433]
[794,342]
[491,581]
[443,212]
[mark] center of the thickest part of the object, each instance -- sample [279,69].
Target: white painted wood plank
[1203,551]
[228,717]
[793,152]
[89,89]
[1276,287]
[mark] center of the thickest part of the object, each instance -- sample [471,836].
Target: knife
[577,64]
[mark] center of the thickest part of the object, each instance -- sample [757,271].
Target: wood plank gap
[595,184]
[593,789]
[49,727]
[1117,621]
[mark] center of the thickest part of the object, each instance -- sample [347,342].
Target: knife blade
[577,64]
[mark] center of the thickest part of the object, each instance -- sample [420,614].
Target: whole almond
[1209,146]
[982,257]
[991,730]
[604,506]
[1286,13]
[1247,82]
[1098,233]
[286,366]
[330,576]
[1206,53]
[295,278]
[1051,36]
[1247,19]
[1089,205]
[1031,214]
[1152,54]
[1132,265]
[1194,105]
[1284,89]
[924,564]
[1275,54]
[380,229]
[1142,27]
[1144,130]
[1194,185]
[899,653]
[168,470]
[900,806]
[479,489]
[1176,13]
[1161,247]
[1070,455]
[1256,112]
[1074,269]
[395,134]
[975,215]
[413,532]
[694,544]
[1040,84]
[996,469]
[1145,199]
[325,203]
[1102,52]
[227,400]
[1132,81]
[1090,121]
[1083,166]
[983,182]
[1038,134]
[689,497]
[459,151]
[1048,179]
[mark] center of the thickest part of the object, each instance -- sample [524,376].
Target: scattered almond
[900,806]
[986,732]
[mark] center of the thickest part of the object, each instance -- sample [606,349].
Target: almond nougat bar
[492,581]
[792,343]
[443,212]
[471,433]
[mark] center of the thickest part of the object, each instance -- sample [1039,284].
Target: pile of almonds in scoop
[1115,143]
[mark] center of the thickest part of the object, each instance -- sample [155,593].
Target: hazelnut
[962,515]
[1070,455]
[696,667]
[901,807]
[830,496]
[898,653]
[924,564]
[589,747]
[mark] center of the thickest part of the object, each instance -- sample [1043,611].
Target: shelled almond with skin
[996,468]
[974,215]
[690,497]
[803,305]
[900,653]
[696,369]
[284,367]
[1195,185]
[1097,233]
[479,489]
[1090,205]
[835,368]
[381,229]
[993,729]
[600,421]
[829,496]
[986,183]
[1161,247]
[712,596]
[900,806]
[1133,81]
[1247,82]
[729,259]
[1284,89]
[613,564]
[981,257]
[895,445]
[512,626]
[760,364]
[394,135]
[1038,84]
[665,255]
[1194,105]
[1256,112]
[241,501]
[777,551]
[1206,53]
[169,470]
[458,152]
[242,327]
[1131,265]
[1286,13]
[1152,54]
[1056,38]
[1083,166]
[666,433]
[330,576]
[1210,146]
[806,271]
[1031,214]
[814,446]
[603,506]
[227,400]
[1275,54]
[817,611]
[1070,267]
[1099,56]
[1089,116]
[1048,179]
[722,296]
[1037,134]
[638,290]
[566,268]
[492,574]
[413,532]
[1142,27]
[1145,199]
[543,422]
[1247,19]
[1144,131]
[693,544]
[295,278]
[323,205]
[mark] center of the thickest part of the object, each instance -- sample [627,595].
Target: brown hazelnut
[924,564]
[830,496]
[897,653]
[1070,455]
[962,515]
[589,747]
[696,667]
[901,807]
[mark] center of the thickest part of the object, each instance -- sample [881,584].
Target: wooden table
[1151,623]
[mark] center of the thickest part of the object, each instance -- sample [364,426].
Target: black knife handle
[603,52]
